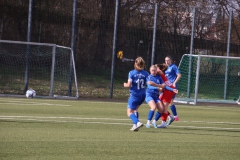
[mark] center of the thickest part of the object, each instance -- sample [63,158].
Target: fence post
[228,50]
[154,33]
[114,48]
[72,47]
[191,52]
[28,47]
[52,71]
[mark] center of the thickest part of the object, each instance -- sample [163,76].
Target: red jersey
[167,95]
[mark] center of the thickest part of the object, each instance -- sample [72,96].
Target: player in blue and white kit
[152,94]
[155,82]
[137,79]
[173,75]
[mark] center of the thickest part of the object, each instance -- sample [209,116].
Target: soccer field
[47,129]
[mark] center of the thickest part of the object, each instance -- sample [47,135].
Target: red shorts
[166,96]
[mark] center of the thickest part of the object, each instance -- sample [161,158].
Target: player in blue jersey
[137,79]
[152,95]
[155,82]
[173,75]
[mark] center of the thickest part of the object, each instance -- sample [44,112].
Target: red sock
[164,117]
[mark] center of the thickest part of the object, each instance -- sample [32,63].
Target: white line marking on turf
[62,121]
[207,127]
[210,122]
[38,117]
[219,109]
[33,104]
[51,119]
[58,121]
[117,119]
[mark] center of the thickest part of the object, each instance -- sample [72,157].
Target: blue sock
[134,118]
[174,110]
[157,116]
[136,114]
[150,114]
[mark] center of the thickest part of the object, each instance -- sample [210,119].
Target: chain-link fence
[151,29]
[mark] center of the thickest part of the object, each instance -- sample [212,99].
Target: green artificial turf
[47,129]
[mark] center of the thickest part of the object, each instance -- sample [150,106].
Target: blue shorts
[150,97]
[135,100]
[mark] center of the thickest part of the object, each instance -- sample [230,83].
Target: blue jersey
[152,92]
[156,79]
[172,72]
[138,79]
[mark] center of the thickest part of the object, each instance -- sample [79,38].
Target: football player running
[137,79]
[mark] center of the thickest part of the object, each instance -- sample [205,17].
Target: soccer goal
[207,78]
[49,69]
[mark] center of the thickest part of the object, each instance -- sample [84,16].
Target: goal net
[49,69]
[208,78]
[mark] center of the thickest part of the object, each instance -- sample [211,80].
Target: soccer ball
[30,93]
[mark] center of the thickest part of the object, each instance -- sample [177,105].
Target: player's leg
[174,109]
[132,106]
[164,115]
[174,112]
[136,112]
[152,106]
[136,123]
[158,114]
[160,110]
[165,97]
[171,118]
[156,118]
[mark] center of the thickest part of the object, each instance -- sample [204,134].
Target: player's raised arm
[151,83]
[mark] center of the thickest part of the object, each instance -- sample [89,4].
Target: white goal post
[208,78]
[47,68]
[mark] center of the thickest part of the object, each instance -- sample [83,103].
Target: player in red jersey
[166,96]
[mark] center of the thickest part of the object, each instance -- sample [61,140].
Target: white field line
[204,122]
[73,120]
[28,102]
[214,108]
[62,121]
[113,119]
[36,104]
[206,127]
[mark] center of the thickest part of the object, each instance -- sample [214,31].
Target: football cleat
[176,118]
[148,125]
[163,125]
[171,119]
[154,123]
[134,129]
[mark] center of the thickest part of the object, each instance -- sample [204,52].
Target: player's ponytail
[163,67]
[139,64]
